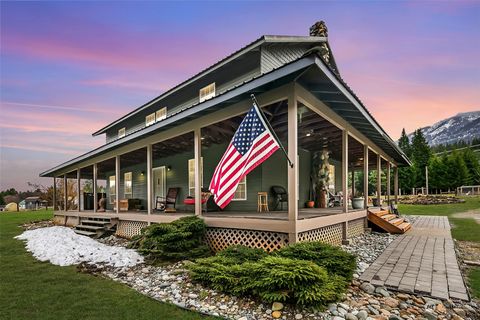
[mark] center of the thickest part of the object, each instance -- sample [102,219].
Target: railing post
[65,195]
[95,196]
[79,191]
[292,110]
[379,180]
[395,183]
[117,184]
[365,175]
[54,200]
[345,182]
[197,146]
[388,182]
[149,179]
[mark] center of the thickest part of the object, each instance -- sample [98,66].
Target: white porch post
[365,175]
[79,191]
[395,183]
[345,182]
[95,196]
[388,182]
[65,196]
[54,200]
[197,146]
[345,170]
[149,179]
[292,172]
[379,179]
[117,184]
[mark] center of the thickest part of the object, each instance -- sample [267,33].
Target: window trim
[121,133]
[246,189]
[125,193]
[110,194]
[201,176]
[210,95]
[163,117]
[147,122]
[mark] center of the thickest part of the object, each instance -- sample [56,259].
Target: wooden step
[95,222]
[381,213]
[389,217]
[397,221]
[405,226]
[85,233]
[87,227]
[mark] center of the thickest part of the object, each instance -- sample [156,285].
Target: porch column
[379,179]
[79,191]
[353,181]
[292,172]
[65,196]
[117,184]
[365,175]
[95,196]
[395,183]
[388,182]
[54,200]
[149,179]
[345,183]
[197,146]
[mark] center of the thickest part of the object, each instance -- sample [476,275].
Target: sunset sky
[69,68]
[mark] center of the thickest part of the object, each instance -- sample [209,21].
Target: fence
[468,190]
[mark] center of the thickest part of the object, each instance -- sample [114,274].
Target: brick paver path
[420,261]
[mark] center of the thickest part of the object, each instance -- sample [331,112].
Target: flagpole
[255,102]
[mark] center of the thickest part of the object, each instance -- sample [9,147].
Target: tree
[473,166]
[421,155]
[404,143]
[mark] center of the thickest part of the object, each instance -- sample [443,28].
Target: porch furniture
[161,203]
[280,195]
[190,201]
[130,204]
[262,201]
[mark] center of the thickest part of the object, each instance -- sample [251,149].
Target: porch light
[308,134]
[169,168]
[142,173]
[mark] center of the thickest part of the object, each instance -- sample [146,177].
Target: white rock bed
[63,247]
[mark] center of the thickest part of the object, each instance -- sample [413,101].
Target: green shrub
[333,259]
[243,253]
[181,239]
[270,278]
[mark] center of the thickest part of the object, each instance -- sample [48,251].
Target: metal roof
[253,45]
[323,84]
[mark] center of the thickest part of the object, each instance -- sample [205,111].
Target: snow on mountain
[463,126]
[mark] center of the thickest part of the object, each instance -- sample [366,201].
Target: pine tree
[404,143]
[420,156]
[473,166]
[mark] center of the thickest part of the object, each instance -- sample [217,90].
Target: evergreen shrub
[178,240]
[333,259]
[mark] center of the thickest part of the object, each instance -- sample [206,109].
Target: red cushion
[191,201]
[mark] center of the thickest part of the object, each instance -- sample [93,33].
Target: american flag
[252,144]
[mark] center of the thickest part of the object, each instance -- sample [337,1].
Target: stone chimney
[319,29]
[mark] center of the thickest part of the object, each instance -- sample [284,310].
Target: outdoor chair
[206,194]
[161,203]
[280,195]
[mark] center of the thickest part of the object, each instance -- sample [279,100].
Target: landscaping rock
[382,291]
[367,287]
[429,315]
[350,316]
[362,315]
[276,314]
[277,306]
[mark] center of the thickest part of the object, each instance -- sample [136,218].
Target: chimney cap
[319,29]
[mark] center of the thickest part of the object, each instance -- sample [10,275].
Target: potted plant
[358,201]
[310,203]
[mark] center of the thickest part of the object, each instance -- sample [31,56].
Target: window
[112,190]
[127,185]
[150,119]
[241,192]
[191,176]
[121,132]
[161,114]
[207,92]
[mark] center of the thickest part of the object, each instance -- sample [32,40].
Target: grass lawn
[30,289]
[471,203]
[474,278]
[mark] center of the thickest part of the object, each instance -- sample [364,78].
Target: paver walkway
[420,261]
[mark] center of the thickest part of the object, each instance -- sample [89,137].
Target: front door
[159,183]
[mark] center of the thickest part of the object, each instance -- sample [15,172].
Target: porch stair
[95,227]
[387,221]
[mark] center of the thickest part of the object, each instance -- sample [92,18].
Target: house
[33,203]
[177,139]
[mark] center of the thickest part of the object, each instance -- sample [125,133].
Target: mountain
[463,126]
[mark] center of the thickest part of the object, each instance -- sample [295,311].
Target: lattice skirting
[329,234]
[221,238]
[70,221]
[356,227]
[129,229]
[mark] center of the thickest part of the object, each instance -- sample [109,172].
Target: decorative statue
[320,177]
